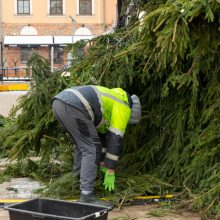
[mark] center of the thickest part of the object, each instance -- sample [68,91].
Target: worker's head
[135,110]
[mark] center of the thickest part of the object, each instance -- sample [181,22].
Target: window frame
[17,8]
[30,52]
[58,50]
[55,14]
[86,14]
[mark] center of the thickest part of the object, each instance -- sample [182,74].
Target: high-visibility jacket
[110,111]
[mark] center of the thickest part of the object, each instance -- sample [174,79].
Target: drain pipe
[52,57]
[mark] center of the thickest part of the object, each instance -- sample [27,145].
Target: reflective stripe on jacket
[107,108]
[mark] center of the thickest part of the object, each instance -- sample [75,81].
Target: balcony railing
[16,73]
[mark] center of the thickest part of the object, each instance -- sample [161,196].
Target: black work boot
[91,199]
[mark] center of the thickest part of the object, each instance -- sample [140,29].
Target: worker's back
[106,107]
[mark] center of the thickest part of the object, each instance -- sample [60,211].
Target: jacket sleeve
[118,123]
[103,139]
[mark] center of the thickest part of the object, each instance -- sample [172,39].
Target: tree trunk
[120,21]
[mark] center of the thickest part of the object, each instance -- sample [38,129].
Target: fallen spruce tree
[171,60]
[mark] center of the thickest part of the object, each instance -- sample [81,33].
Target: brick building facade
[46,26]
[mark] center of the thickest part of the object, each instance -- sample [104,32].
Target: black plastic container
[51,209]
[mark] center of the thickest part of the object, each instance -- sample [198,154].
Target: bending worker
[89,114]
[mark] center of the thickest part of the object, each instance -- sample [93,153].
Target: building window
[26,53]
[56,7]
[85,7]
[23,6]
[58,55]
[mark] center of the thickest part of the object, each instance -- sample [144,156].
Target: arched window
[28,30]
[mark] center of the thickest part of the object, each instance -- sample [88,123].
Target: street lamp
[72,21]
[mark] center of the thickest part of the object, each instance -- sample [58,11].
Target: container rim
[41,215]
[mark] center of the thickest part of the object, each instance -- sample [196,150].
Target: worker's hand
[109,181]
[103,169]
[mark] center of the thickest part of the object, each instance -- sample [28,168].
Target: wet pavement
[16,188]
[19,188]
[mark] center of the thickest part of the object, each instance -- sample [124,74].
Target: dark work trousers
[88,148]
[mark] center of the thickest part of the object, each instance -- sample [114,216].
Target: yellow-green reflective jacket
[115,109]
[110,111]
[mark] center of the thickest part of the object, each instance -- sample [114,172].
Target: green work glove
[102,169]
[109,181]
